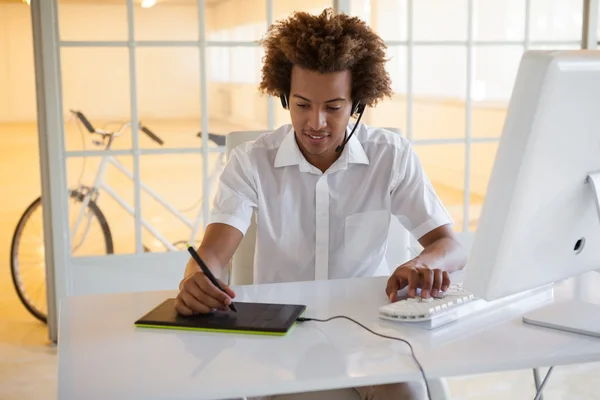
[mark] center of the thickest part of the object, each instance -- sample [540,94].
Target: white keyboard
[421,309]
[457,303]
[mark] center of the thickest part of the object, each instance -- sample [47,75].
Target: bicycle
[90,214]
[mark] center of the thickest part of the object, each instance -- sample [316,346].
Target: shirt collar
[356,152]
[289,153]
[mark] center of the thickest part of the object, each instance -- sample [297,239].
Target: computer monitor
[540,221]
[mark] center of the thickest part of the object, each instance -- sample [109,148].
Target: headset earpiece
[357,108]
[284,101]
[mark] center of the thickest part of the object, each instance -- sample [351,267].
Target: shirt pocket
[365,233]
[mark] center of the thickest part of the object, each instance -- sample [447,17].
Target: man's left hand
[416,274]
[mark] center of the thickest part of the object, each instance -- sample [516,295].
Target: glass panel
[494,73]
[234,100]
[556,20]
[88,21]
[175,216]
[235,20]
[19,170]
[283,8]
[386,17]
[444,165]
[95,81]
[17,69]
[391,113]
[439,92]
[168,86]
[499,19]
[487,120]
[20,152]
[105,221]
[483,156]
[166,20]
[440,19]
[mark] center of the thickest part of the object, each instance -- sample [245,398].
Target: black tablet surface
[255,318]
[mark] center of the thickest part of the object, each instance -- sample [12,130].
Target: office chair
[241,272]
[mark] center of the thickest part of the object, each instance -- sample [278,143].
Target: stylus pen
[207,272]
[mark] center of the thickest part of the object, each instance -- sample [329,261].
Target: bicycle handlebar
[88,125]
[84,121]
[151,135]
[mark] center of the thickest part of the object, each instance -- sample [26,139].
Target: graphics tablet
[255,318]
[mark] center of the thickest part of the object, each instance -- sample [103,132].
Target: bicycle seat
[219,140]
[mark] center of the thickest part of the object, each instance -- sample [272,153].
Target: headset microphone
[361,110]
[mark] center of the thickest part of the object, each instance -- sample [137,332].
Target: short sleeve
[413,198]
[236,196]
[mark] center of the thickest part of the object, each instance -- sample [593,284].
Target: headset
[357,107]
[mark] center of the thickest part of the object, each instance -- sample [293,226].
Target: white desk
[107,357]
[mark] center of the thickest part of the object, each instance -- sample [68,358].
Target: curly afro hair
[326,43]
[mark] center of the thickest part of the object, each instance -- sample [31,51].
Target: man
[323,193]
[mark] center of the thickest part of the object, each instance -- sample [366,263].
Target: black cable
[539,391]
[302,319]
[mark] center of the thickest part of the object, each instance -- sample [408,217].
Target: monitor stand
[574,315]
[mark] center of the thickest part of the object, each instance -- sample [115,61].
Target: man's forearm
[210,259]
[445,254]
[218,245]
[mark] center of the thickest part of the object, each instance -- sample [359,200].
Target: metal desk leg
[538,381]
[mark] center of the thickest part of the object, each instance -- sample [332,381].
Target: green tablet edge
[186,328]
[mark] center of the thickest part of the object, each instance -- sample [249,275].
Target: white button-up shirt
[314,225]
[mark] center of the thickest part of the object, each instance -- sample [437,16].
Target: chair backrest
[242,264]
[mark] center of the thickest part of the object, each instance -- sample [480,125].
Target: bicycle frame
[100,184]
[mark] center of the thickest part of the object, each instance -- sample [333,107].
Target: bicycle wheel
[27,262]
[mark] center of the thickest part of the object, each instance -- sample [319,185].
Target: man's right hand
[197,295]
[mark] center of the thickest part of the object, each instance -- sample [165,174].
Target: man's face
[320,106]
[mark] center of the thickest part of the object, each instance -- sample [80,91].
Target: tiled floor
[28,361]
[27,358]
